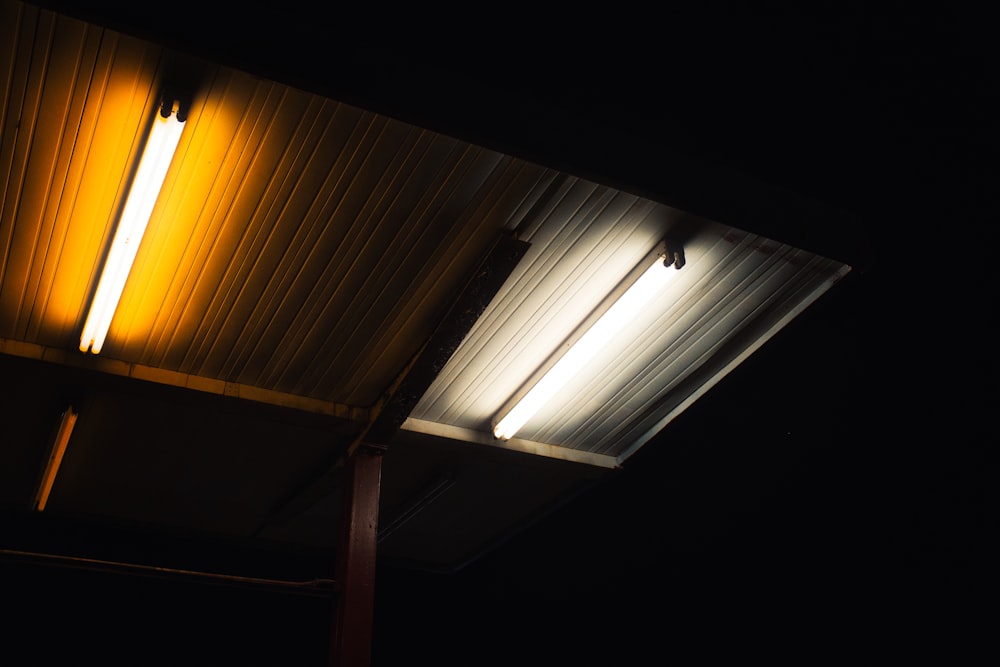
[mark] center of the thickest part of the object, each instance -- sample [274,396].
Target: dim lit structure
[320,284]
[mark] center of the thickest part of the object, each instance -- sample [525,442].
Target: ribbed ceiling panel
[317,244]
[583,239]
[700,327]
[298,244]
[303,246]
[734,292]
[72,97]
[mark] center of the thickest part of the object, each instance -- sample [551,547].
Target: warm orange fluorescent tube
[156,157]
[598,336]
[66,424]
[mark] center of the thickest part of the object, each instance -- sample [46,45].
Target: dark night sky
[829,498]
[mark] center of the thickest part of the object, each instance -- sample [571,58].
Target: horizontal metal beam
[184,380]
[516,444]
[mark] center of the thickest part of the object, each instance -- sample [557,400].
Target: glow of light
[595,339]
[156,156]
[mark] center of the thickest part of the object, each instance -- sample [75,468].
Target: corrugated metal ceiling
[735,291]
[299,245]
[308,248]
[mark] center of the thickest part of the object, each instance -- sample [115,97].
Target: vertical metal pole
[351,642]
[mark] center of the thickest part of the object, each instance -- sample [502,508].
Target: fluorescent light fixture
[66,424]
[164,136]
[649,283]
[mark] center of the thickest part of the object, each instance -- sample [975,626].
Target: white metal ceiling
[735,291]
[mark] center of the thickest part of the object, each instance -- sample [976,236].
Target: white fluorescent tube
[623,310]
[156,156]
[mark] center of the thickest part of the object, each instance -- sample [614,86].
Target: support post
[351,642]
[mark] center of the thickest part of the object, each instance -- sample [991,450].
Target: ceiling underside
[301,266]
